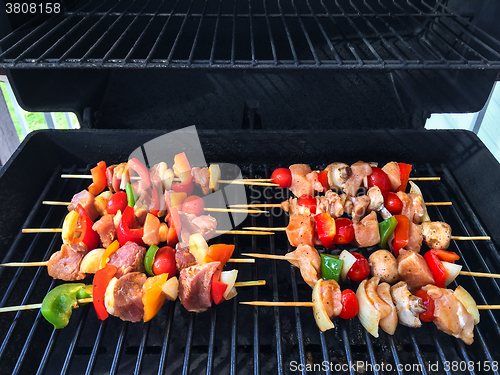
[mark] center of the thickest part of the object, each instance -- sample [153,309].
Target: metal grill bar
[95,349]
[386,35]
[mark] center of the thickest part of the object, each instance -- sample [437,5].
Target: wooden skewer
[89,300]
[266,229]
[42,230]
[488,307]
[43,264]
[275,205]
[246,182]
[425,179]
[209,209]
[310,304]
[256,232]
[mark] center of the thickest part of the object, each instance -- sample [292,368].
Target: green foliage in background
[35,120]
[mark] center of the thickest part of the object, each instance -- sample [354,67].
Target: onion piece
[91,261]
[171,288]
[415,189]
[368,315]
[228,278]
[322,319]
[453,271]
[466,299]
[198,247]
[214,172]
[109,296]
[349,260]
[232,293]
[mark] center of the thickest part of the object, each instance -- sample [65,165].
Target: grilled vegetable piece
[58,304]
[437,234]
[408,306]
[384,265]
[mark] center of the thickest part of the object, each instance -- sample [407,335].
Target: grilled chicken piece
[338,174]
[314,180]
[300,230]
[413,270]
[128,258]
[384,265]
[360,207]
[415,238]
[379,304]
[366,232]
[201,177]
[308,261]
[331,203]
[183,257]
[359,171]
[300,183]
[293,208]
[408,209]
[331,298]
[419,209]
[408,306]
[105,228]
[390,322]
[86,199]
[123,297]
[195,284]
[392,171]
[65,263]
[437,234]
[151,234]
[450,316]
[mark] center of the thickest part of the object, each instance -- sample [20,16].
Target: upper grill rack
[338,34]
[232,338]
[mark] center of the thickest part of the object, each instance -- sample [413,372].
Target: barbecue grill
[262,81]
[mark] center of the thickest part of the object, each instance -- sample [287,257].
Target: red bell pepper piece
[174,224]
[125,233]
[218,288]
[401,234]
[433,258]
[325,226]
[99,180]
[323,179]
[154,207]
[101,280]
[404,175]
[88,236]
[141,170]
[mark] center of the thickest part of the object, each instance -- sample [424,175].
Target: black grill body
[232,338]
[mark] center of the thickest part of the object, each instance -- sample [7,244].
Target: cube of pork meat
[190,224]
[392,171]
[109,177]
[105,228]
[127,296]
[195,284]
[65,263]
[300,183]
[437,234]
[86,199]
[450,316]
[308,261]
[415,238]
[201,177]
[359,171]
[128,258]
[300,230]
[366,232]
[183,257]
[413,270]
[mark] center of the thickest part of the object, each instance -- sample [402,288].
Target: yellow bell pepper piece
[69,226]
[115,245]
[153,297]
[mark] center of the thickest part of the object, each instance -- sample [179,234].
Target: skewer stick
[425,179]
[42,230]
[37,306]
[282,229]
[310,304]
[246,182]
[480,274]
[256,232]
[273,205]
[209,209]
[43,264]
[249,283]
[488,307]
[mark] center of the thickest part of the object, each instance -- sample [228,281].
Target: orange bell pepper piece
[219,253]
[153,297]
[99,180]
[115,245]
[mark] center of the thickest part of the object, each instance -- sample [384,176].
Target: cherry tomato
[307,201]
[193,205]
[392,202]
[118,201]
[183,187]
[165,261]
[379,178]
[282,177]
[426,316]
[345,231]
[350,304]
[360,269]
[323,179]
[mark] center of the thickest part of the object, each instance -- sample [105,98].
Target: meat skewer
[245,232]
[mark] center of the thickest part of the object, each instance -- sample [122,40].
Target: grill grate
[231,338]
[338,34]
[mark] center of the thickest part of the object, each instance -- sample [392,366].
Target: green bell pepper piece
[58,304]
[331,266]
[386,228]
[149,259]
[130,194]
